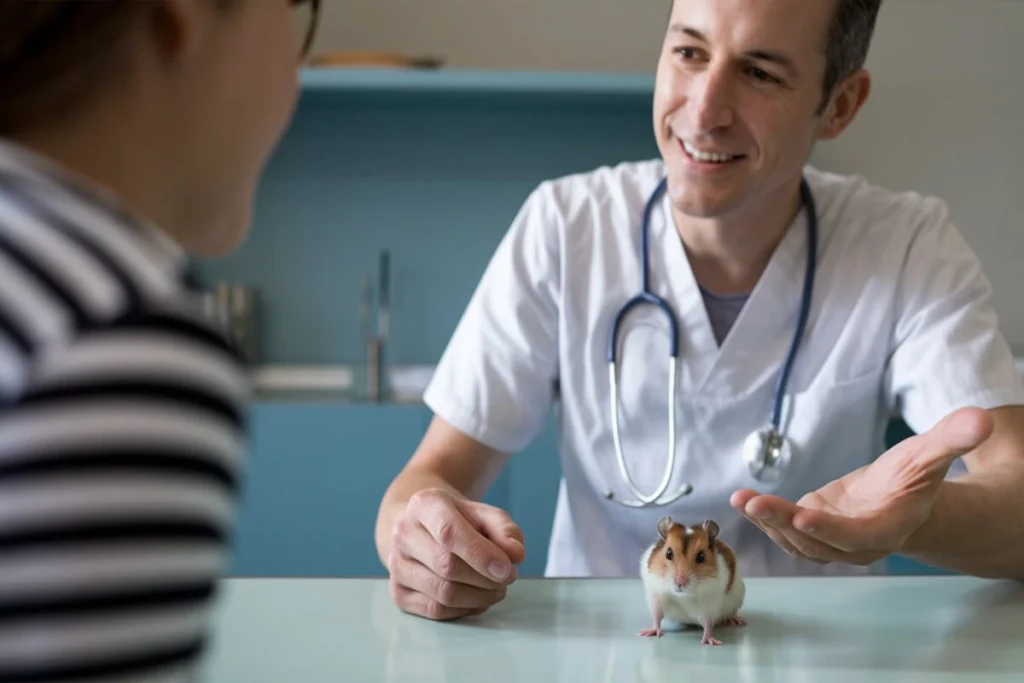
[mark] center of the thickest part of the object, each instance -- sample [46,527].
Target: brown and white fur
[690,576]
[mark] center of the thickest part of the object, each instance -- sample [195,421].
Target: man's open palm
[869,513]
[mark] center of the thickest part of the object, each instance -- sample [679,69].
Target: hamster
[690,575]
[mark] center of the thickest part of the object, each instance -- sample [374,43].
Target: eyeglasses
[306,18]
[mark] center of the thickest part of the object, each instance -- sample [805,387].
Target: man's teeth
[706,156]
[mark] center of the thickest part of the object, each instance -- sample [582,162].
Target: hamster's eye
[668,553]
[700,557]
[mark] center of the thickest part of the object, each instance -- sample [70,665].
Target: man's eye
[762,75]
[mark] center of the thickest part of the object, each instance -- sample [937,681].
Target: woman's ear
[178,27]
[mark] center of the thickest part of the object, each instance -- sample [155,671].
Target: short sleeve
[495,380]
[949,351]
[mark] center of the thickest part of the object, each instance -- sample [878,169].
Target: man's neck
[728,255]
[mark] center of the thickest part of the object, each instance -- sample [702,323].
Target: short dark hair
[54,53]
[847,40]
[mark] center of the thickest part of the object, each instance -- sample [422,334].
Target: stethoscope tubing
[646,297]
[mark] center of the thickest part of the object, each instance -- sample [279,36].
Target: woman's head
[175,105]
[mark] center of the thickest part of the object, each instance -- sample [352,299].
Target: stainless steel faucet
[376,340]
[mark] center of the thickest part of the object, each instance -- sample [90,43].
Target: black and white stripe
[122,425]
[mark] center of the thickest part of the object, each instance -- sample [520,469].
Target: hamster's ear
[711,528]
[664,524]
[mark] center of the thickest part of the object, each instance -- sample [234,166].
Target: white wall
[943,116]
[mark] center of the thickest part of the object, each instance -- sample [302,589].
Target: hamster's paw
[707,638]
[732,621]
[648,632]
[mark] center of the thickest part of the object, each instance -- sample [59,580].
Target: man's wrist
[921,543]
[972,527]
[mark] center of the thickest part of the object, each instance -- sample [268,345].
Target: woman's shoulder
[85,291]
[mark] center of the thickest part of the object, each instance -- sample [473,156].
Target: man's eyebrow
[687,30]
[760,55]
[774,57]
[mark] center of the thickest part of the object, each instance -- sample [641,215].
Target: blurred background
[423,125]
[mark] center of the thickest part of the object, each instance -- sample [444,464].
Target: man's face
[740,80]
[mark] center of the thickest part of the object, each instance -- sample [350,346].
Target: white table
[819,630]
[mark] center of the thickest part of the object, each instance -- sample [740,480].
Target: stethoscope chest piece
[767,454]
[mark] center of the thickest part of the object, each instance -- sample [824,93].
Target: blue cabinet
[315,474]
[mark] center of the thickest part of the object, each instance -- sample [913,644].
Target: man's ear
[846,100]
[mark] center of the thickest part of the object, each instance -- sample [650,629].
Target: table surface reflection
[906,629]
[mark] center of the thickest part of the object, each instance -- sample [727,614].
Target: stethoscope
[766,451]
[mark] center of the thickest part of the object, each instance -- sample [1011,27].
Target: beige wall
[620,35]
[943,117]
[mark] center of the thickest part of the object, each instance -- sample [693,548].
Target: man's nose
[710,101]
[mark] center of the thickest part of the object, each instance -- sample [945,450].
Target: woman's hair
[54,55]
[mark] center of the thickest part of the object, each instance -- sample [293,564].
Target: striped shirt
[122,427]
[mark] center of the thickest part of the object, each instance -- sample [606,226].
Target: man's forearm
[976,526]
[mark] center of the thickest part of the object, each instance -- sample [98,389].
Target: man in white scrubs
[901,323]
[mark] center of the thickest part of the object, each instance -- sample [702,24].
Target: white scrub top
[901,323]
